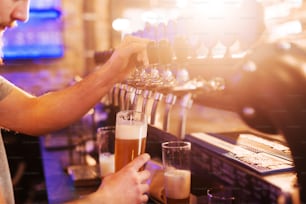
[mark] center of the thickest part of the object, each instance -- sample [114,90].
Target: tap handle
[152,51]
[165,52]
[181,50]
[157,98]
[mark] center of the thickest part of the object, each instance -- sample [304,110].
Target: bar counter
[199,119]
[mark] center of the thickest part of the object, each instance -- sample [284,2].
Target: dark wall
[24,157]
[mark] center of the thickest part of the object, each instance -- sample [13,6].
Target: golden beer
[130,137]
[127,150]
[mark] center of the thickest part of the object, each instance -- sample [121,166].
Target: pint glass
[106,146]
[130,138]
[177,175]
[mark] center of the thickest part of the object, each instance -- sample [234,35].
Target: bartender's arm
[32,115]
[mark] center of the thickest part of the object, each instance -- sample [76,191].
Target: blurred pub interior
[58,44]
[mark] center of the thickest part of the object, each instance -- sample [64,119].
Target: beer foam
[131,131]
[177,183]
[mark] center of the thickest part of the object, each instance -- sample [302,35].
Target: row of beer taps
[165,82]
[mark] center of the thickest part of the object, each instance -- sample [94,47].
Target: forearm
[31,115]
[55,110]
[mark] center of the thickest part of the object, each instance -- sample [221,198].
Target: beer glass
[106,146]
[130,138]
[177,175]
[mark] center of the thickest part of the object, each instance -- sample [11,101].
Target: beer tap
[160,53]
[185,103]
[152,79]
[145,97]
[180,47]
[157,98]
[134,89]
[129,97]
[121,95]
[136,99]
[181,53]
[170,101]
[166,59]
[115,95]
[143,81]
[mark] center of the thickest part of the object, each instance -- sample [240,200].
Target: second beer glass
[177,175]
[130,137]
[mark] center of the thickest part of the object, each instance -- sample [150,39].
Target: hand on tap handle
[124,50]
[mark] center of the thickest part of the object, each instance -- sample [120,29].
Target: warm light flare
[285,29]
[206,23]
[151,17]
[181,3]
[120,24]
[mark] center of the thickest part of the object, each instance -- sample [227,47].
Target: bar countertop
[60,187]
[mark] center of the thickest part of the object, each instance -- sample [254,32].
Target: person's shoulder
[5,87]
[2,80]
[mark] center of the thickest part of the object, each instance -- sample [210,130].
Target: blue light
[35,13]
[40,37]
[33,52]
